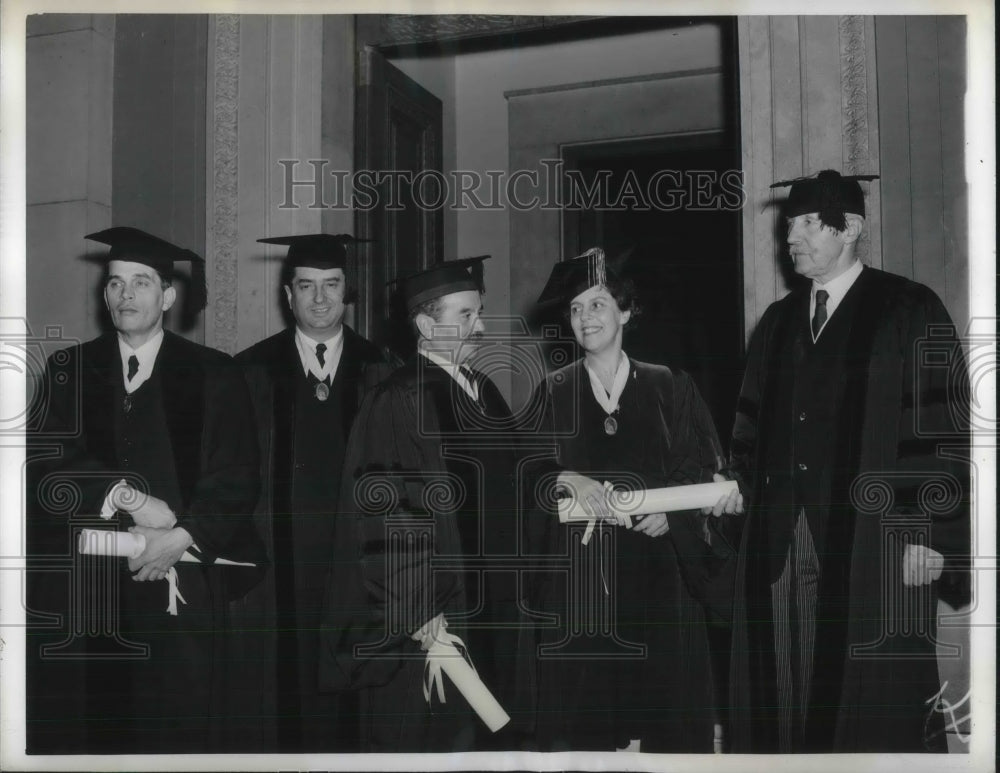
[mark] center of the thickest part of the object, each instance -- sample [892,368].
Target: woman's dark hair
[622,290]
[625,294]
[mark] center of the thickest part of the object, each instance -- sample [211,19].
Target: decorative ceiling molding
[400,29]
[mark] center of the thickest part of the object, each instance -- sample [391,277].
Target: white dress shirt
[469,387]
[331,357]
[146,354]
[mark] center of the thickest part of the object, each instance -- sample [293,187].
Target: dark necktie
[133,367]
[320,349]
[819,317]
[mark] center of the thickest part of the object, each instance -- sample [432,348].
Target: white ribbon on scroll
[173,591]
[449,654]
[107,509]
[626,504]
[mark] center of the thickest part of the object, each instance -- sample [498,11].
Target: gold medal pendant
[322,391]
[610,425]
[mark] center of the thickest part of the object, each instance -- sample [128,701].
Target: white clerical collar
[453,370]
[331,357]
[146,354]
[609,402]
[836,288]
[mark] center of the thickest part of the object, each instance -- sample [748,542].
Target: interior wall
[862,94]
[69,108]
[809,101]
[921,86]
[337,118]
[158,158]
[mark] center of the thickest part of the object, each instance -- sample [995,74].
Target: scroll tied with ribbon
[124,544]
[447,654]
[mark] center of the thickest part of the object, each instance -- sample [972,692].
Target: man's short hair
[350,291]
[432,308]
[837,219]
[833,218]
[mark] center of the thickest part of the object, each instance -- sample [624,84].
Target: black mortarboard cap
[571,277]
[322,251]
[450,276]
[827,191]
[137,246]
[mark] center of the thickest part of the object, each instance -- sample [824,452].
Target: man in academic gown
[429,489]
[172,420]
[851,445]
[306,383]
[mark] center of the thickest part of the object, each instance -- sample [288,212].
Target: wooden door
[398,134]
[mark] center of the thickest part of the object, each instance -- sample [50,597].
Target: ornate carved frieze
[855,61]
[225,182]
[854,91]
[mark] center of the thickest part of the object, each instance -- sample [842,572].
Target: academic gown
[630,658]
[424,456]
[173,700]
[295,512]
[899,399]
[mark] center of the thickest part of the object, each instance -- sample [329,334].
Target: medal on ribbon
[322,391]
[608,399]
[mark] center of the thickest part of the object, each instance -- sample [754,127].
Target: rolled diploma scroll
[671,499]
[124,544]
[478,695]
[104,542]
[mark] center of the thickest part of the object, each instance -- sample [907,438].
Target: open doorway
[514,100]
[672,205]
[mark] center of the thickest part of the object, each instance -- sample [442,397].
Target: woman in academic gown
[629,660]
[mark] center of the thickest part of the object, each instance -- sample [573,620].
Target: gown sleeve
[706,554]
[380,586]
